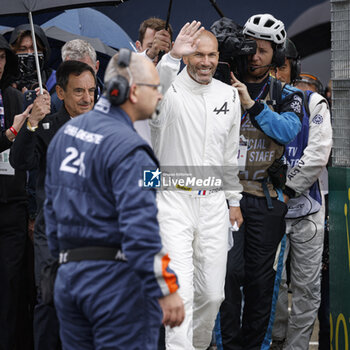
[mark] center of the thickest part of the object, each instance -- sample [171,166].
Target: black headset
[118,87]
[279,56]
[295,68]
[294,59]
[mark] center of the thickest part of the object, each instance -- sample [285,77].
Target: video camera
[234,49]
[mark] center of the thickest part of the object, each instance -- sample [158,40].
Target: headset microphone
[252,69]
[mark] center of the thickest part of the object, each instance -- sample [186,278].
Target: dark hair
[153,23]
[15,45]
[67,68]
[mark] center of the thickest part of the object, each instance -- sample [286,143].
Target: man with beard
[76,83]
[197,130]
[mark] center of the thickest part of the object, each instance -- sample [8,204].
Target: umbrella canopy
[57,37]
[17,7]
[61,36]
[93,24]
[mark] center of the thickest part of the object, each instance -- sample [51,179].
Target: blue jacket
[284,124]
[94,195]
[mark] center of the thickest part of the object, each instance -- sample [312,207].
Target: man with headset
[270,119]
[307,156]
[114,279]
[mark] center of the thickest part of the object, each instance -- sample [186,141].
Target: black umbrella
[22,7]
[17,7]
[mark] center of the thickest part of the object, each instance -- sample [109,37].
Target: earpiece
[118,87]
[279,56]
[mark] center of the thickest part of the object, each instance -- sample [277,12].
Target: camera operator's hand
[244,96]
[187,41]
[285,198]
[161,42]
[41,107]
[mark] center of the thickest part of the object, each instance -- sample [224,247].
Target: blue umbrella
[93,24]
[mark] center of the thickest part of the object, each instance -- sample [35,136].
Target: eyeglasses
[154,86]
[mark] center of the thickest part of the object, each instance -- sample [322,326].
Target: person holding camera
[270,119]
[13,206]
[76,83]
[22,45]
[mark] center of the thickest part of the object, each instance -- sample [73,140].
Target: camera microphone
[252,69]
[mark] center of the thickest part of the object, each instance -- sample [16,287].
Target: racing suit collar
[104,106]
[192,85]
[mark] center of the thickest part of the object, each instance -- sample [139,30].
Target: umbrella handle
[36,53]
[161,53]
[213,2]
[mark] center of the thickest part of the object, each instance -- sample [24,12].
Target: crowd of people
[201,253]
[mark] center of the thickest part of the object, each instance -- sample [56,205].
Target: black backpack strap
[275,94]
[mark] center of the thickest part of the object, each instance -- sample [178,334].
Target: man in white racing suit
[307,156]
[197,130]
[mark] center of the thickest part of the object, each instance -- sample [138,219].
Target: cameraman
[270,119]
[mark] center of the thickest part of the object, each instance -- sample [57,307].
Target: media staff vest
[310,201]
[262,151]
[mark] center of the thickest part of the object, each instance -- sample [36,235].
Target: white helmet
[265,27]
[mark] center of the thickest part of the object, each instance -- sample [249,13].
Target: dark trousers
[46,326]
[250,265]
[13,235]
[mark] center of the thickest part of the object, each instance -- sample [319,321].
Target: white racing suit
[307,156]
[198,126]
